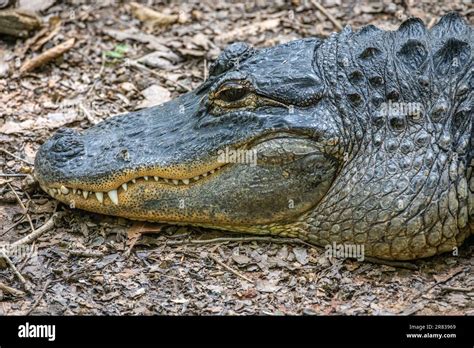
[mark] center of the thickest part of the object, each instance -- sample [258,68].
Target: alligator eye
[232,94]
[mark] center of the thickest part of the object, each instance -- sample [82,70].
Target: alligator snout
[61,155]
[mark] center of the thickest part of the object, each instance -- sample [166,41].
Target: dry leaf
[249,30]
[154,95]
[35,5]
[241,259]
[267,285]
[301,255]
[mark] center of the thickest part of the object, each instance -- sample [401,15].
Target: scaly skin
[336,160]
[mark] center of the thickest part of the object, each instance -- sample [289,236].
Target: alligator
[362,138]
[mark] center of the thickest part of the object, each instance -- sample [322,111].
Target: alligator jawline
[59,189]
[65,191]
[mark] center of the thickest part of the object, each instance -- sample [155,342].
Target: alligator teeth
[113,196]
[100,196]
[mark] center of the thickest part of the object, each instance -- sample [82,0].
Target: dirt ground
[87,263]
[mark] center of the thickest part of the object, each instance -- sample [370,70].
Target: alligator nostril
[66,144]
[62,132]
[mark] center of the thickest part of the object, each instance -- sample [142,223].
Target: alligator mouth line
[66,192]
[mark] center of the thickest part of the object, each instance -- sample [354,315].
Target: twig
[205,70]
[457,289]
[38,300]
[13,267]
[15,156]
[47,56]
[230,269]
[25,210]
[6,175]
[11,290]
[89,116]
[239,239]
[38,232]
[451,276]
[431,23]
[152,17]
[327,14]
[101,70]
[13,226]
[397,264]
[85,253]
[176,83]
[28,257]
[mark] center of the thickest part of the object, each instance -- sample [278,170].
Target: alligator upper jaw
[109,189]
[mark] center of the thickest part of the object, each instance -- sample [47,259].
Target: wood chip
[18,23]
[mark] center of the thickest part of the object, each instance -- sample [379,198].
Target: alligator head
[363,138]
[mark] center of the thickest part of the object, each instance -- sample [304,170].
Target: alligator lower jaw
[83,196]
